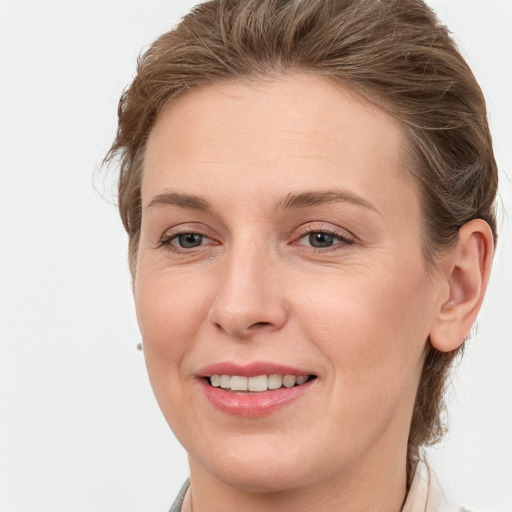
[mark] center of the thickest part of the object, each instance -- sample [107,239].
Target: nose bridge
[248,298]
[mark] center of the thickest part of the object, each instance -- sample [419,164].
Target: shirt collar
[425,494]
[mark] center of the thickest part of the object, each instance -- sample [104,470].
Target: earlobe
[467,268]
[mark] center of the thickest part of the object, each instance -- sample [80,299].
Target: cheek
[372,326]
[170,310]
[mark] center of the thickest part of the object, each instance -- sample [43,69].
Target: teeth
[289,381]
[275,381]
[256,384]
[238,383]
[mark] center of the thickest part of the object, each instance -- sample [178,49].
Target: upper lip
[250,370]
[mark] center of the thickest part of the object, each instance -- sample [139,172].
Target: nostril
[258,325]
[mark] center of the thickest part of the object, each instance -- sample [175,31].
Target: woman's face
[281,236]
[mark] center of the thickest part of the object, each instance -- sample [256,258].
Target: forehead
[295,131]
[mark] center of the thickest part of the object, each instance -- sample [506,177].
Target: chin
[260,477]
[257,465]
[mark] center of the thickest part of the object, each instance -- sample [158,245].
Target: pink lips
[247,404]
[249,370]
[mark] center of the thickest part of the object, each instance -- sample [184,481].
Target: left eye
[188,240]
[322,239]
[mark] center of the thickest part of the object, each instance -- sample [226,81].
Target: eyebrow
[190,202]
[307,199]
[291,201]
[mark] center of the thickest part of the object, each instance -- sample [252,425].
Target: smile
[257,384]
[254,390]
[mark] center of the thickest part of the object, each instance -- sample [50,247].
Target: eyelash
[166,241]
[342,240]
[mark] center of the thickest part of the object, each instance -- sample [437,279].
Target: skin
[357,314]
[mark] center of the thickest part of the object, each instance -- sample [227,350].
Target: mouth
[258,383]
[254,390]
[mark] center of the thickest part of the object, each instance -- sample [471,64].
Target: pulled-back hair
[394,54]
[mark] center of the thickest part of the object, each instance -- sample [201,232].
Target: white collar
[425,494]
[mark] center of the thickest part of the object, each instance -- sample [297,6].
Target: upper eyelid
[330,231]
[170,234]
[185,228]
[299,231]
[321,227]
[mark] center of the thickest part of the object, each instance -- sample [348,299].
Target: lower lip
[252,405]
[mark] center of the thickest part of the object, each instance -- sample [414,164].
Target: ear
[466,268]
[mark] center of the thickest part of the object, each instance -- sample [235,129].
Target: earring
[140,348]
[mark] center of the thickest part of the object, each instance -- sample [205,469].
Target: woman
[308,188]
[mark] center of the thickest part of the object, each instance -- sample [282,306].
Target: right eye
[185,240]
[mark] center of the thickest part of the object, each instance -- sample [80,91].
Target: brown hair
[393,53]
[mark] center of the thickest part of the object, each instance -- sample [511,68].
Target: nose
[250,297]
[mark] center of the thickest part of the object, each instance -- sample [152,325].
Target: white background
[79,428]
